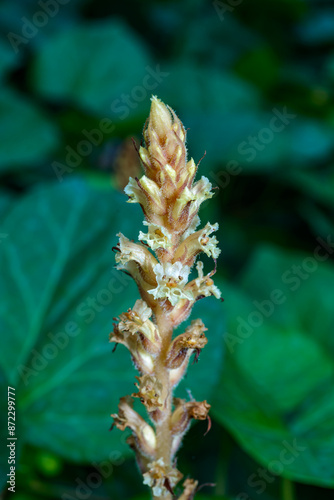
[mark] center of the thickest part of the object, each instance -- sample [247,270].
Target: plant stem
[163,431]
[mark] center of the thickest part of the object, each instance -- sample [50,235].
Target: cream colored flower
[128,417]
[159,476]
[192,339]
[136,320]
[197,242]
[143,353]
[130,251]
[201,190]
[134,192]
[157,236]
[207,244]
[205,285]
[171,279]
[150,392]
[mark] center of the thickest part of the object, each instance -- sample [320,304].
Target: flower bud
[165,142]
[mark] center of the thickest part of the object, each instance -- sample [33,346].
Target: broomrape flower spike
[170,199]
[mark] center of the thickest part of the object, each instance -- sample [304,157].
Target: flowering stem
[170,200]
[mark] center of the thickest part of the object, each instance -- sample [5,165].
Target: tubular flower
[203,286]
[170,199]
[198,242]
[142,356]
[171,279]
[142,432]
[193,339]
[181,418]
[150,392]
[161,478]
[157,236]
[129,251]
[136,320]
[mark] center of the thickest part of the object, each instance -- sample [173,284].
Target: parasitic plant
[170,200]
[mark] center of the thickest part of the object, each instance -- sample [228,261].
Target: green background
[252,82]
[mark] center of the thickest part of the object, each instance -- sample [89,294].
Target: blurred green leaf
[318,28]
[58,299]
[260,66]
[205,40]
[8,59]
[276,390]
[318,186]
[5,202]
[208,90]
[26,134]
[99,62]
[251,139]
